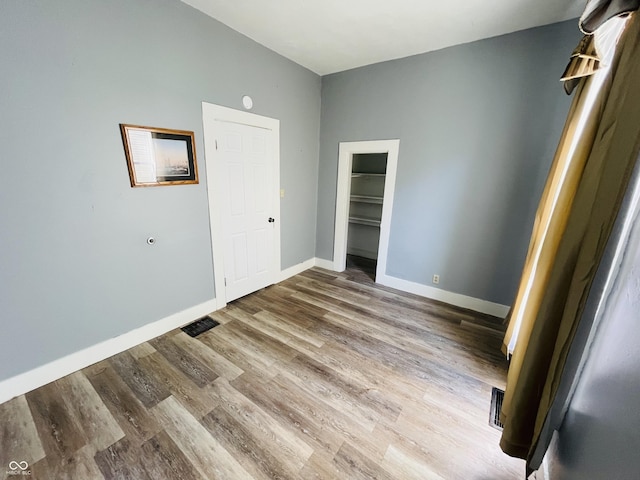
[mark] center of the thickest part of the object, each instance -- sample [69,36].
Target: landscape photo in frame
[159,156]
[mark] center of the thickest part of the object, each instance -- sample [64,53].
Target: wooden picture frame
[159,156]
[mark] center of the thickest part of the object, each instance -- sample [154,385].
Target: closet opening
[368,174]
[364,204]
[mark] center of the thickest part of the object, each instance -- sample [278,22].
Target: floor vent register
[497,396]
[199,326]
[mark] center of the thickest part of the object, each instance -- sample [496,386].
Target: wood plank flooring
[323,376]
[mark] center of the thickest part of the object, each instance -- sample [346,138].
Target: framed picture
[159,156]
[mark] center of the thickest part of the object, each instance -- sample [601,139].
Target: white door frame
[345,161]
[210,114]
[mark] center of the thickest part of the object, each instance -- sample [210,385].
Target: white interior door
[230,150]
[246,184]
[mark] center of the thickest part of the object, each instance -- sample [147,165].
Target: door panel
[237,196]
[246,158]
[262,241]
[238,271]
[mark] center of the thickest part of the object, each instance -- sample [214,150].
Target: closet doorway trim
[345,160]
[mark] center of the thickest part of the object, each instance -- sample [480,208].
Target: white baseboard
[457,299]
[296,269]
[404,285]
[25,382]
[306,265]
[326,264]
[542,473]
[549,462]
[545,470]
[472,303]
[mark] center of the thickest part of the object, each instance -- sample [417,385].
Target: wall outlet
[436,279]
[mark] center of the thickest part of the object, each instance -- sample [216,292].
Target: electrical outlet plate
[436,279]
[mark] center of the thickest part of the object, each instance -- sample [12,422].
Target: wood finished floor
[323,376]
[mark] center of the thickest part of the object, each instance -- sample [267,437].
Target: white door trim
[345,159]
[211,113]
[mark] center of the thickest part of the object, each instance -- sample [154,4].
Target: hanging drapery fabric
[574,146]
[584,61]
[598,149]
[597,12]
[550,220]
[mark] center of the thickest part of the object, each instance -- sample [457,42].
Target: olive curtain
[586,184]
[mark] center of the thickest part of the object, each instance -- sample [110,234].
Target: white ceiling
[328,36]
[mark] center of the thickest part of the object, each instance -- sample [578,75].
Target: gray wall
[599,438]
[478,125]
[74,266]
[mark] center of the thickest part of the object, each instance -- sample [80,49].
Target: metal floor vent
[199,326]
[497,396]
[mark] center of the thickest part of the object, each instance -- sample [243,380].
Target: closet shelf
[372,222]
[366,199]
[363,174]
